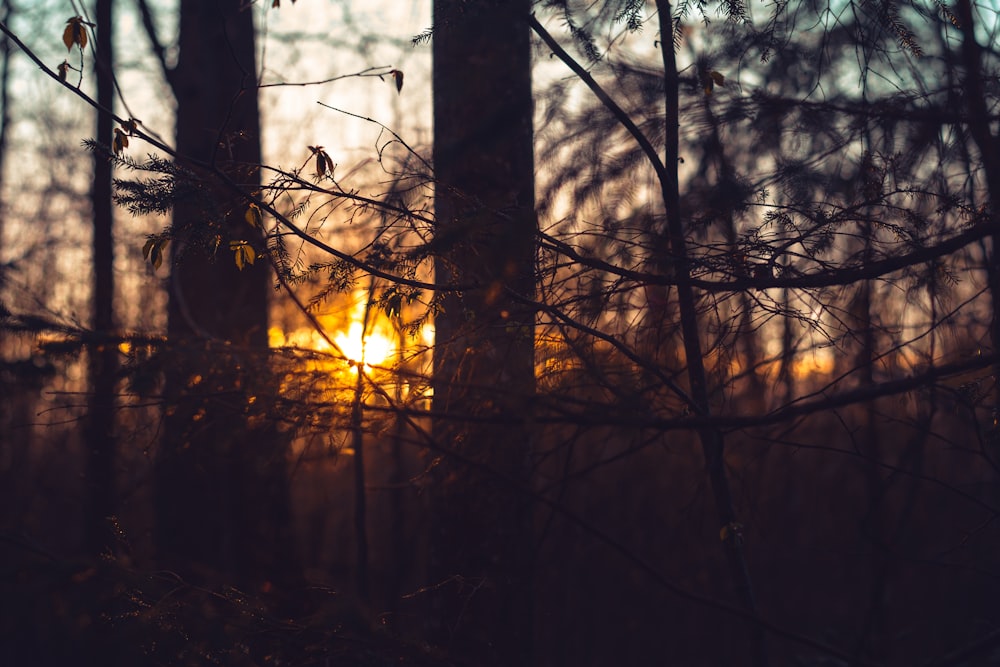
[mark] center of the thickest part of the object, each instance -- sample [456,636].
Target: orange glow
[346,329]
[375,348]
[816,362]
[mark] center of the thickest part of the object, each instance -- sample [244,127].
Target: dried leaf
[153,251]
[120,142]
[710,79]
[76,33]
[324,164]
[63,70]
[398,76]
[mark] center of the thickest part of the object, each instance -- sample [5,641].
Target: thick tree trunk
[484,354]
[221,498]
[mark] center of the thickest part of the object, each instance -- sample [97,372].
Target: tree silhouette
[483,377]
[221,489]
[102,356]
[727,396]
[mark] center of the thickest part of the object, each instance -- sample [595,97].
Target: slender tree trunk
[787,371]
[8,409]
[360,491]
[102,353]
[400,562]
[221,494]
[358,442]
[712,441]
[745,339]
[484,354]
[871,642]
[980,124]
[5,49]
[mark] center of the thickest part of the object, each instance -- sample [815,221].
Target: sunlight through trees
[496,332]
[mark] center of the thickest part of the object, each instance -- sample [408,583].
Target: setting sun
[374,348]
[345,329]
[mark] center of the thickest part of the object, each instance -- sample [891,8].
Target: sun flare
[342,332]
[374,347]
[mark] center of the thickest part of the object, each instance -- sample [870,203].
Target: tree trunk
[102,353]
[712,438]
[6,12]
[980,128]
[221,497]
[745,340]
[484,355]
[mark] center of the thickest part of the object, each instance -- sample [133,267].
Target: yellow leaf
[243,253]
[253,216]
[153,251]
[710,79]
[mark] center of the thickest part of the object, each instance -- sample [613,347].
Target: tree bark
[102,355]
[481,547]
[6,12]
[980,124]
[221,495]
